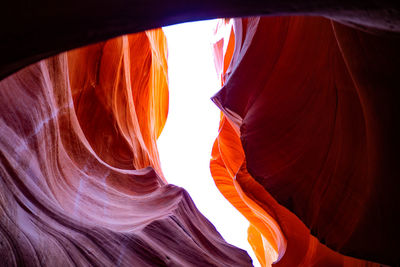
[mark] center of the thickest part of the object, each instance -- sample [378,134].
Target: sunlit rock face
[80,175]
[307,151]
[307,144]
[123,83]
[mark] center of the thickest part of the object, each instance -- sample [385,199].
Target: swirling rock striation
[308,139]
[80,182]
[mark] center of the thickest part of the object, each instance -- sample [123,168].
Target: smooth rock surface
[314,104]
[80,183]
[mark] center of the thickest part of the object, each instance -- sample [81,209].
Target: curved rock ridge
[306,142]
[124,82]
[80,179]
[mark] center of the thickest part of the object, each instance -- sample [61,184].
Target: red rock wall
[303,137]
[308,143]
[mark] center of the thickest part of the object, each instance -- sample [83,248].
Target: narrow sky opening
[192,126]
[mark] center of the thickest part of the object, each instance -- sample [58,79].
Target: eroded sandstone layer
[307,148]
[307,151]
[80,178]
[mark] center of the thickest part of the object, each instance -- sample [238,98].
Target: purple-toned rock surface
[61,203]
[317,131]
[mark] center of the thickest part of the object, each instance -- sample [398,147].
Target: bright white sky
[192,126]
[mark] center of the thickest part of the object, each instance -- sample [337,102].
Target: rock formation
[31,31]
[307,149]
[303,144]
[80,176]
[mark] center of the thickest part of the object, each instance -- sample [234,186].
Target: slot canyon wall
[307,148]
[80,175]
[302,147]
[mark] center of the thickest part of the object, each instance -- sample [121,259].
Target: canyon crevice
[307,148]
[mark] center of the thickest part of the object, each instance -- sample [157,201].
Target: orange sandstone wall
[301,139]
[307,150]
[124,83]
